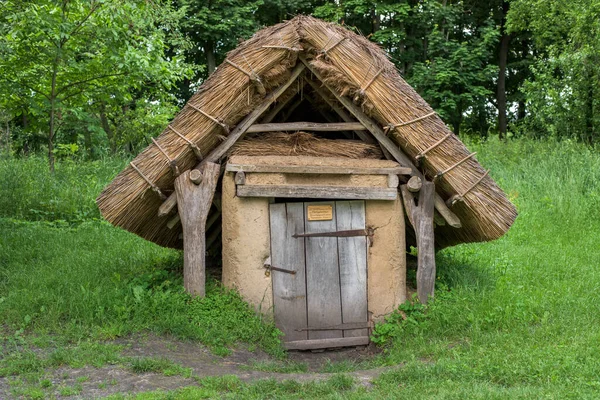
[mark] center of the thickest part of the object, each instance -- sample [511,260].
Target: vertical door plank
[322,277]
[289,291]
[353,265]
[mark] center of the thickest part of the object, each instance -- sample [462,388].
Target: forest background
[87,79]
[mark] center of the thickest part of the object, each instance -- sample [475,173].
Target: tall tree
[215,27]
[63,54]
[563,93]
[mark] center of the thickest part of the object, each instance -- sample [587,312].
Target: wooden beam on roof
[339,111]
[307,126]
[318,192]
[317,169]
[387,144]
[236,134]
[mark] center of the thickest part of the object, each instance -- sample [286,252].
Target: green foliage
[59,59]
[563,92]
[398,323]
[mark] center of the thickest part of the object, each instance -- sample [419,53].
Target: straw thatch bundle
[303,144]
[349,64]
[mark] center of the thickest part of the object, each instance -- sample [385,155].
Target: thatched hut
[305,153]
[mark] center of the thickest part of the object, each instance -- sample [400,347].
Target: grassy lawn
[516,318]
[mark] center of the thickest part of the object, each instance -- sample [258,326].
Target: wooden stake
[196,176]
[194,203]
[421,218]
[414,184]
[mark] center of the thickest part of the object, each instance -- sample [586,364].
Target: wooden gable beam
[387,143]
[307,126]
[236,134]
[339,111]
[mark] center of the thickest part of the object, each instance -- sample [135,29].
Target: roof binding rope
[333,46]
[152,185]
[193,145]
[364,89]
[251,75]
[422,154]
[441,173]
[172,163]
[461,197]
[213,119]
[412,121]
[294,49]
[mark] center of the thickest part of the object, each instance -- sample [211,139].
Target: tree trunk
[7,139]
[209,49]
[375,20]
[51,137]
[106,127]
[589,106]
[502,62]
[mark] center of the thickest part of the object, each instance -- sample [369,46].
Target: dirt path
[99,382]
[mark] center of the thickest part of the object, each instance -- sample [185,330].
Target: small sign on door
[320,212]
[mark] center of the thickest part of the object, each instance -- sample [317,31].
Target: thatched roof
[351,66]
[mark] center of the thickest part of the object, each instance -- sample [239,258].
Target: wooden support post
[236,134]
[386,143]
[194,203]
[421,218]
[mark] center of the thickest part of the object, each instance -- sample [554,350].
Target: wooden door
[320,273]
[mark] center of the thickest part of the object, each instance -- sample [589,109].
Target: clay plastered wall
[246,243]
[386,260]
[246,246]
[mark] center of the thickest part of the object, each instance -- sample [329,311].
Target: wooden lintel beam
[236,134]
[387,144]
[318,192]
[307,126]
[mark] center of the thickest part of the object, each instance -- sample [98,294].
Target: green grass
[31,192]
[158,365]
[514,318]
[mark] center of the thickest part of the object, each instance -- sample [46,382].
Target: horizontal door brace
[350,233]
[340,327]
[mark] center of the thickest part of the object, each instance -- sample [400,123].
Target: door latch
[270,268]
